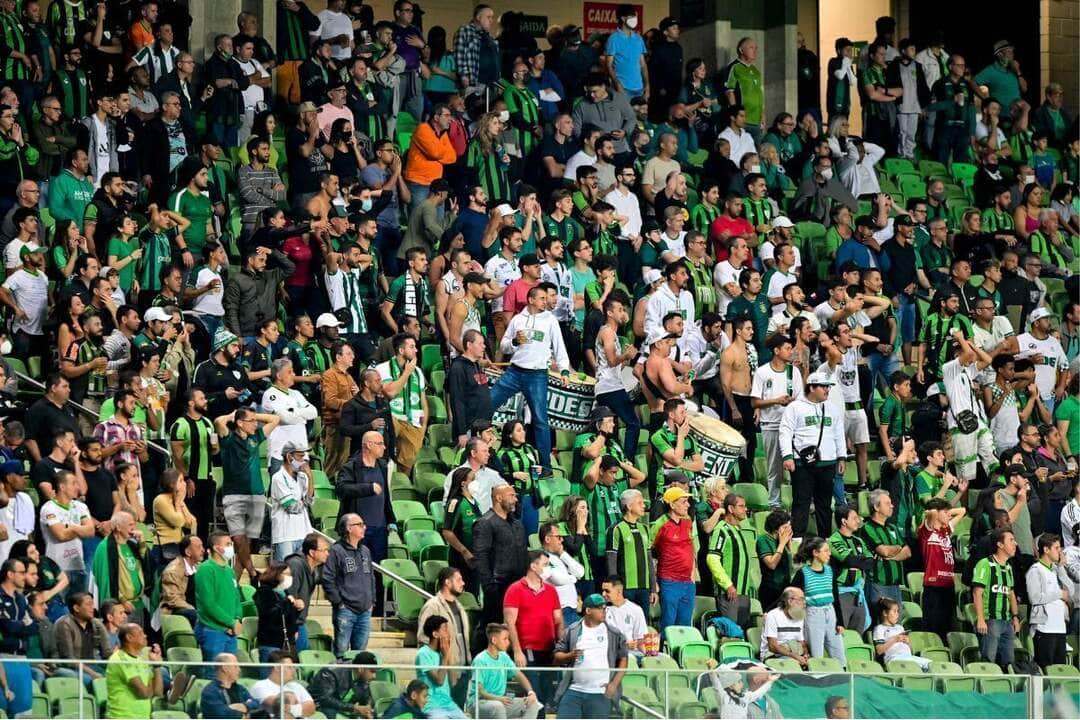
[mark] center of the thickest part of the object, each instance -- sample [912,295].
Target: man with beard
[193,202]
[934,347]
[775,385]
[26,292]
[122,440]
[103,215]
[84,364]
[792,308]
[366,100]
[343,286]
[404,384]
[672,296]
[193,442]
[367,411]
[468,385]
[738,362]
[782,634]
[220,377]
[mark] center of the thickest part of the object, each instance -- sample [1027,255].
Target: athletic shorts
[244,514]
[856,428]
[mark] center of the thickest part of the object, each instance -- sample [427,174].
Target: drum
[721,445]
[570,401]
[513,408]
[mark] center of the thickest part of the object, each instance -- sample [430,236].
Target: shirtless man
[449,285]
[737,365]
[658,380]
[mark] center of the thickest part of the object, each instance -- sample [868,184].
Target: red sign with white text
[603,17]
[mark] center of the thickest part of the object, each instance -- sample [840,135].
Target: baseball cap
[156,313]
[1014,469]
[528,259]
[1039,314]
[820,378]
[12,467]
[291,447]
[904,220]
[106,270]
[667,22]
[1002,45]
[595,600]
[652,275]
[649,226]
[30,250]
[308,106]
[673,494]
[781,222]
[328,320]
[673,476]
[935,389]
[504,209]
[599,412]
[656,335]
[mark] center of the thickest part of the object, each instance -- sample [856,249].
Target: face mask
[5,347]
[1028,179]
[296,464]
[229,553]
[755,168]
[631,22]
[939,196]
[504,116]
[285,584]
[366,205]
[826,174]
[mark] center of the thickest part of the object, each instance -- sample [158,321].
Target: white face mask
[504,116]
[755,168]
[1028,179]
[631,22]
[285,583]
[826,174]
[296,465]
[228,553]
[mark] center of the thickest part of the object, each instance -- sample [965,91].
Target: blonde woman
[711,510]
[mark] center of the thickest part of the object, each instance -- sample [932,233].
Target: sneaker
[180,682]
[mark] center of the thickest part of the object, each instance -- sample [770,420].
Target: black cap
[528,259]
[865,221]
[599,412]
[648,226]
[1015,469]
[904,220]
[849,266]
[334,84]
[638,101]
[668,22]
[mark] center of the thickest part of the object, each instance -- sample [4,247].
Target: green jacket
[217,596]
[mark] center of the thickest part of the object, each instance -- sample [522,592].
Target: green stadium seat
[960,646]
[168,715]
[437,409]
[311,661]
[430,358]
[859,651]
[683,641]
[783,665]
[439,435]
[913,679]
[430,570]
[325,507]
[862,666]
[426,545]
[824,665]
[951,678]
[756,496]
[179,657]
[912,615]
[737,650]
[74,707]
[932,168]
[921,640]
[897,166]
[989,684]
[430,485]
[62,688]
[912,589]
[406,511]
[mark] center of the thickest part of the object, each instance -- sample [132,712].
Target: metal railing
[652,692]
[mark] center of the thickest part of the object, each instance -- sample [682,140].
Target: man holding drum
[813,446]
[673,446]
[534,342]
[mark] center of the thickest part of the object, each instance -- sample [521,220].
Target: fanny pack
[812,453]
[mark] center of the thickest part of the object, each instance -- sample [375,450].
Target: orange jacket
[427,155]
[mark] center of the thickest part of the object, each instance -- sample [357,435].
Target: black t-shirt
[100,485]
[561,152]
[303,171]
[43,420]
[45,470]
[902,270]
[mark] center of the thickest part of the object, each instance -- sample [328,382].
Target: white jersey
[824,313]
[767,251]
[781,320]
[848,376]
[777,282]
[295,412]
[560,277]
[629,619]
[959,382]
[768,384]
[67,554]
[287,493]
[504,271]
[1053,360]
[676,245]
[801,426]
[724,274]
[664,301]
[1000,329]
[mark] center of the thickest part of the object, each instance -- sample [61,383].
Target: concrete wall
[1059,46]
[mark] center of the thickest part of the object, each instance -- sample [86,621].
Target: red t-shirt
[674,550]
[938,560]
[733,226]
[536,619]
[516,296]
[299,251]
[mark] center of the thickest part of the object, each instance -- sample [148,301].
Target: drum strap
[790,384]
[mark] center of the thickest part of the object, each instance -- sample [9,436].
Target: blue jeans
[641,599]
[906,315]
[886,365]
[387,241]
[226,135]
[676,603]
[283,550]
[619,403]
[530,514]
[211,323]
[576,704]
[417,195]
[302,639]
[875,592]
[533,384]
[21,683]
[996,645]
[213,643]
[77,581]
[351,630]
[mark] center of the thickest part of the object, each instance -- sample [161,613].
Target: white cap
[504,209]
[105,270]
[781,222]
[657,335]
[821,377]
[934,389]
[328,320]
[1039,313]
[156,313]
[652,275]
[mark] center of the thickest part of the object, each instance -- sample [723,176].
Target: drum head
[718,430]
